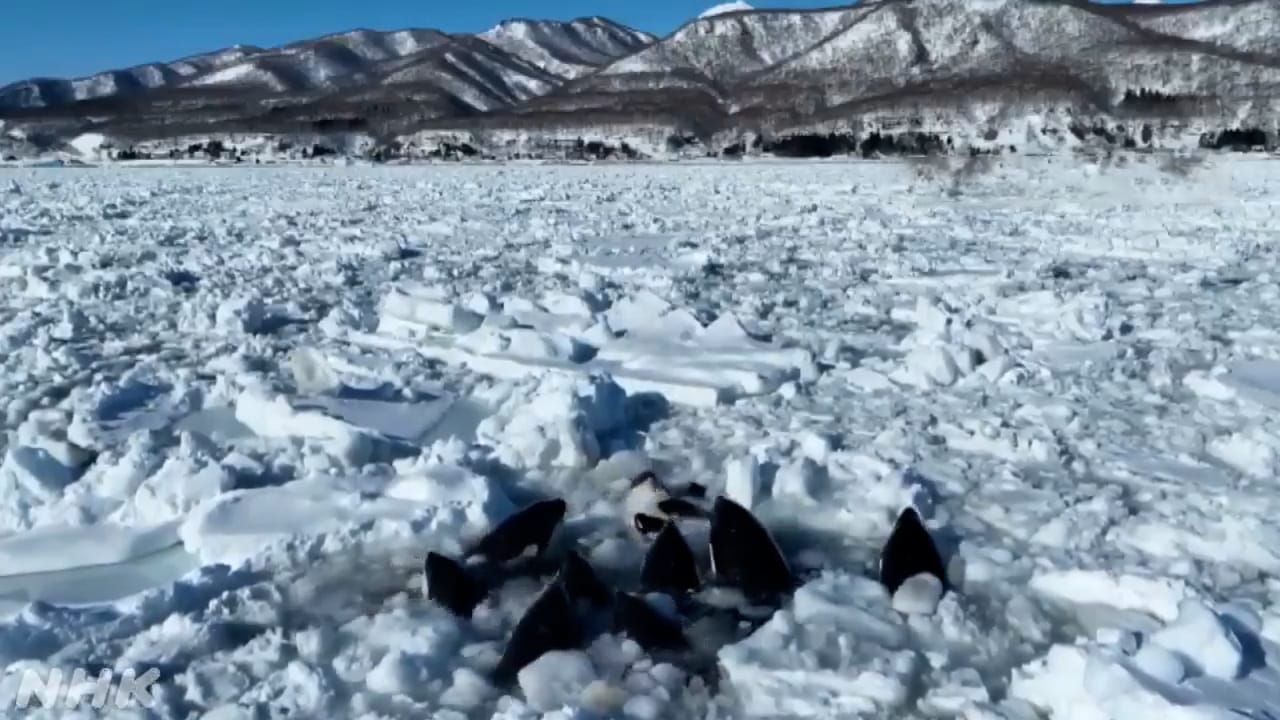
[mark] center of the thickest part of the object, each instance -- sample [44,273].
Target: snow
[742,480]
[566,49]
[729,7]
[246,73]
[234,527]
[89,145]
[52,548]
[1201,640]
[643,348]
[517,60]
[240,407]
[861,664]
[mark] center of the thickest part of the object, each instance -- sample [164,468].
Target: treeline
[218,150]
[878,143]
[835,144]
[912,143]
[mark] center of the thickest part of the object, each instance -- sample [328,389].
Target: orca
[647,525]
[908,552]
[649,496]
[577,604]
[532,526]
[450,585]
[460,588]
[692,489]
[640,621]
[744,555]
[669,566]
[581,582]
[549,624]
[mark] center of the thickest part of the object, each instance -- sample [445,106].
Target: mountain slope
[46,92]
[571,49]
[1218,59]
[324,64]
[509,63]
[483,76]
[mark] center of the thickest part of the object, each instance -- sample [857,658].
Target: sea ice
[240,407]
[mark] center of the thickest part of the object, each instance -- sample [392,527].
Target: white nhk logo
[53,688]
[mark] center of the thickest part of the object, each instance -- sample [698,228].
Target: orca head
[647,525]
[548,625]
[640,621]
[531,526]
[743,553]
[449,585]
[908,552]
[669,566]
[644,495]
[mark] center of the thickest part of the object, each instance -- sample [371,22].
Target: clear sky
[67,38]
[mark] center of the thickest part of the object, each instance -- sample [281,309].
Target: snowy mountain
[570,49]
[940,62]
[981,68]
[45,92]
[513,61]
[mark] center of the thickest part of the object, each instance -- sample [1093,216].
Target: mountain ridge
[196,69]
[988,71]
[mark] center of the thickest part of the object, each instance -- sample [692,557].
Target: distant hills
[930,73]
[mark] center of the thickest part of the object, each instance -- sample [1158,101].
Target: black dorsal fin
[449,585]
[547,625]
[640,621]
[580,580]
[744,554]
[908,552]
[531,526]
[669,566]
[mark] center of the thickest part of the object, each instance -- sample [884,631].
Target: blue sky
[60,38]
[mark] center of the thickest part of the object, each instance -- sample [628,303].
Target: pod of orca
[576,604]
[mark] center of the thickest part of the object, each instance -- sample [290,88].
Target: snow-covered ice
[240,407]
